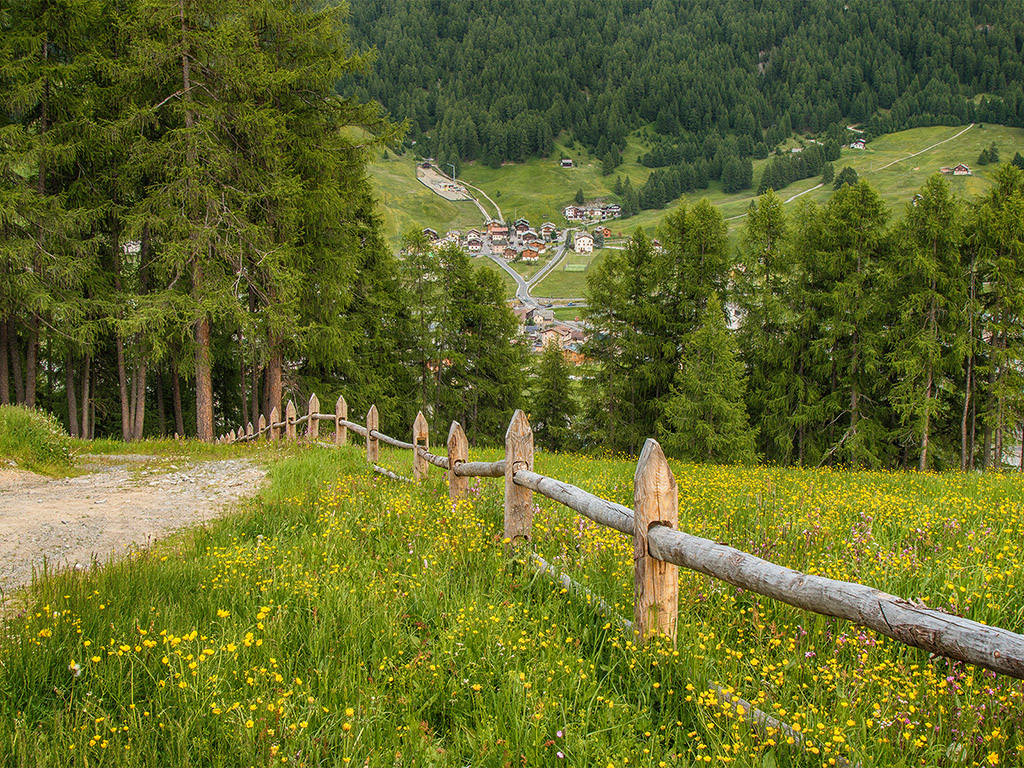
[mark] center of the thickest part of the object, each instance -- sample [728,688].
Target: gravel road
[122,502]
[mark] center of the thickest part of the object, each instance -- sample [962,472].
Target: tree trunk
[69,387]
[122,385]
[32,361]
[5,375]
[964,463]
[92,405]
[255,413]
[923,464]
[86,399]
[204,381]
[139,404]
[15,350]
[274,366]
[161,412]
[179,419]
[245,388]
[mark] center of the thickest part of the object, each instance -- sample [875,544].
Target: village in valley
[523,242]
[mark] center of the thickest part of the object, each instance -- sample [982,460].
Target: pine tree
[846,177]
[481,363]
[928,286]
[705,417]
[853,245]
[553,406]
[631,301]
[761,296]
[996,235]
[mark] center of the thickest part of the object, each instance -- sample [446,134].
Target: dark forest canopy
[498,79]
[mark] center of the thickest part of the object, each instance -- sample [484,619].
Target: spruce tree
[705,418]
[761,296]
[996,235]
[552,403]
[928,288]
[853,244]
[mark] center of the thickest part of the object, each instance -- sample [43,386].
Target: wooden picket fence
[659,548]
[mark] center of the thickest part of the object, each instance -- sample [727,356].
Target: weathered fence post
[231,436]
[420,438]
[372,446]
[275,431]
[656,583]
[248,431]
[458,452]
[261,428]
[340,417]
[518,501]
[290,430]
[313,425]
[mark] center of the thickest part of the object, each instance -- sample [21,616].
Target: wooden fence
[659,549]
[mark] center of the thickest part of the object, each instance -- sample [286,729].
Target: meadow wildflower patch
[346,619]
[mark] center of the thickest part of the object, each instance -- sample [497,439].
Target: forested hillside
[187,231]
[498,79]
[859,340]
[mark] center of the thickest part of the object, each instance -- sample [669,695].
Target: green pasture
[406,203]
[569,282]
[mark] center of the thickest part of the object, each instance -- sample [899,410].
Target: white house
[583,242]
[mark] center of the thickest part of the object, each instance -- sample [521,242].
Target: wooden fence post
[248,431]
[313,425]
[340,415]
[275,431]
[262,426]
[656,583]
[372,446]
[231,436]
[518,500]
[420,437]
[458,452]
[289,422]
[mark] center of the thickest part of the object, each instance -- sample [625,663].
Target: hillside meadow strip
[347,619]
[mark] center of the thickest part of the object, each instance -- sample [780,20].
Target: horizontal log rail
[601,511]
[910,623]
[480,468]
[389,474]
[438,461]
[391,440]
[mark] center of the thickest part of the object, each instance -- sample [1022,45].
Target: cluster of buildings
[541,329]
[520,241]
[592,212]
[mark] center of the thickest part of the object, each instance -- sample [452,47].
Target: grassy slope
[345,618]
[559,282]
[540,188]
[406,203]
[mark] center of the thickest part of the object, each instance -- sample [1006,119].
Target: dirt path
[122,502]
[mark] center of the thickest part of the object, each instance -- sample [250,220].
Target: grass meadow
[568,282]
[345,619]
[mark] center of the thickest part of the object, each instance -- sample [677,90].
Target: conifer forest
[189,235]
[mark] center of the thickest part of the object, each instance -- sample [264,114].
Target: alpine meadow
[493,383]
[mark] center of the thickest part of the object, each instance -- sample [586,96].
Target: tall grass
[33,440]
[345,619]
